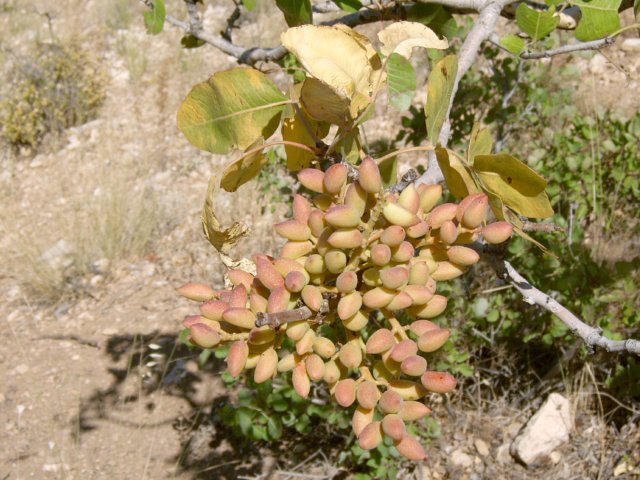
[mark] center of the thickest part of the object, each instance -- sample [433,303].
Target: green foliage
[401,82]
[296,12]
[536,23]
[599,18]
[439,91]
[154,19]
[57,87]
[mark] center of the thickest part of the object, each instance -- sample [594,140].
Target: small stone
[96,280]
[546,430]
[598,64]
[481,447]
[555,457]
[460,459]
[631,45]
[502,454]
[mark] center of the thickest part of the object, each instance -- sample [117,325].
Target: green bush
[55,88]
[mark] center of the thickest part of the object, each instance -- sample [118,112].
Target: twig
[593,45]
[406,180]
[541,227]
[591,336]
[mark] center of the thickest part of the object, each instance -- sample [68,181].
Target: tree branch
[593,45]
[591,336]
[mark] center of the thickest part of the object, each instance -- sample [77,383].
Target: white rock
[502,454]
[461,460]
[631,45]
[598,64]
[546,430]
[59,255]
[481,447]
[555,457]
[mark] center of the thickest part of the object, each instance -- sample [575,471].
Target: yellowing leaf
[231,110]
[243,169]
[480,142]
[222,239]
[456,173]
[403,37]
[323,104]
[335,56]
[294,130]
[519,187]
[439,90]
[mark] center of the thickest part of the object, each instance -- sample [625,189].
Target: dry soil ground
[93,385]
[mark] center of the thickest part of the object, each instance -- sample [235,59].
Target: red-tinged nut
[433,308]
[497,232]
[345,392]
[356,198]
[278,300]
[324,347]
[476,212]
[448,271]
[393,426]
[393,236]
[418,230]
[370,436]
[240,277]
[237,358]
[414,366]
[345,238]
[412,410]
[192,320]
[419,273]
[224,296]
[448,232]
[429,197]
[347,282]
[466,202]
[305,344]
[350,355]
[293,230]
[356,322]
[404,349]
[432,340]
[463,256]
[390,402]
[380,254]
[314,264]
[442,213]
[401,301]
[419,294]
[378,297]
[213,309]
[266,367]
[367,395]
[238,297]
[301,208]
[394,277]
[204,336]
[410,198]
[312,297]
[295,281]
[316,222]
[261,335]
[293,250]
[361,418]
[257,303]
[380,341]
[369,176]
[342,216]
[239,317]
[335,178]
[196,291]
[267,273]
[300,380]
[398,215]
[315,367]
[402,253]
[312,179]
[438,382]
[332,372]
[288,362]
[411,449]
[349,304]
[421,326]
[284,266]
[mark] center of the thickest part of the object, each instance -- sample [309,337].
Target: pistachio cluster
[353,254]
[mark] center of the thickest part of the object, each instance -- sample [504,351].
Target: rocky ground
[94,384]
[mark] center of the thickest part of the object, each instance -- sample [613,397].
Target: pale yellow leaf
[323,104]
[403,37]
[223,239]
[244,169]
